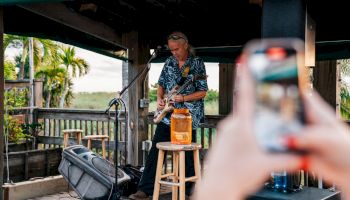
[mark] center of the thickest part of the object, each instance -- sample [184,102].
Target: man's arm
[197,95]
[160,96]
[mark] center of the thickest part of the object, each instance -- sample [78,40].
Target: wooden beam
[283,18]
[94,144]
[324,80]
[38,91]
[138,54]
[1,101]
[60,13]
[226,84]
[14,2]
[16,84]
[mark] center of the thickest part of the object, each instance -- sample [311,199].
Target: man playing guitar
[178,68]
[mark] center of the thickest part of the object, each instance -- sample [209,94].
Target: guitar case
[93,177]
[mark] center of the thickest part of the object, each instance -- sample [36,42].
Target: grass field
[100,100]
[95,100]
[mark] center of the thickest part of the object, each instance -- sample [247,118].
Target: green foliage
[9,70]
[153,93]
[32,129]
[16,98]
[211,107]
[13,129]
[53,83]
[95,100]
[43,51]
[344,92]
[74,64]
[212,95]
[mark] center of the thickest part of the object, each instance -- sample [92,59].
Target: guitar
[160,113]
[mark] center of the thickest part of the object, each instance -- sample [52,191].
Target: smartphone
[280,78]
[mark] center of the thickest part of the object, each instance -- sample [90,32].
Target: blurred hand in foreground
[236,165]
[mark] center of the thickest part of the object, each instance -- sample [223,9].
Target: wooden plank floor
[164,190]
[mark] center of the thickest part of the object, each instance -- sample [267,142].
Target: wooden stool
[98,137]
[178,174]
[77,132]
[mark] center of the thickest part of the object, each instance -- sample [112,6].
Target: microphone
[158,50]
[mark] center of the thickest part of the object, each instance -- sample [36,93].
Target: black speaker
[91,176]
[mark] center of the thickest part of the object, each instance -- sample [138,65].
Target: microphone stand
[116,102]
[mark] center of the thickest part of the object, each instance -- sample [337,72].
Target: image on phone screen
[278,109]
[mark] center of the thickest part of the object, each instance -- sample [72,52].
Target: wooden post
[138,54]
[38,93]
[1,101]
[337,92]
[226,85]
[325,73]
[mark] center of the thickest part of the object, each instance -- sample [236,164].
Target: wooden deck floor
[165,195]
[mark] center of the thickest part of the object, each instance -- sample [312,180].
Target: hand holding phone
[277,68]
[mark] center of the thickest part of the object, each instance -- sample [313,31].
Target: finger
[318,111]
[323,169]
[313,139]
[245,95]
[288,162]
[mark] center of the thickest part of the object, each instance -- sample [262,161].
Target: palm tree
[43,50]
[73,64]
[9,70]
[53,79]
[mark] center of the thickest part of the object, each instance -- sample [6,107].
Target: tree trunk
[48,99]
[65,92]
[23,61]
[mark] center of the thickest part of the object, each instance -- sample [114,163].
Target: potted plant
[16,138]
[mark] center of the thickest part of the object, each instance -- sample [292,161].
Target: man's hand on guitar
[179,98]
[160,103]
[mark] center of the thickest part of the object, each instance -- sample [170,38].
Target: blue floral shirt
[171,76]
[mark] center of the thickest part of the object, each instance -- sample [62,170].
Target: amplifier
[91,176]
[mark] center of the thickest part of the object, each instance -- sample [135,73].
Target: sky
[105,73]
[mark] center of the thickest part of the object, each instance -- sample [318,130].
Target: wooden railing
[98,122]
[92,122]
[206,131]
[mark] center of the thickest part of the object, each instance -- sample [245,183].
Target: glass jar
[181,126]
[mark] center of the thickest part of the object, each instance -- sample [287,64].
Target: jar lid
[181,111]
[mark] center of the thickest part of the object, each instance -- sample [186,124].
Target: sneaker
[139,195]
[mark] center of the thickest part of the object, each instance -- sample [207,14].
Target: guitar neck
[180,89]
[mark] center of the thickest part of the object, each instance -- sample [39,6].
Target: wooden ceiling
[99,25]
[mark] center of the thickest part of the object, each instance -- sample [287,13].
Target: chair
[77,132]
[178,173]
[98,137]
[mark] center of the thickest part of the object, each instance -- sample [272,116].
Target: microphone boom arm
[116,102]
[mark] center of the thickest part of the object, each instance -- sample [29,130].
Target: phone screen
[279,109]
